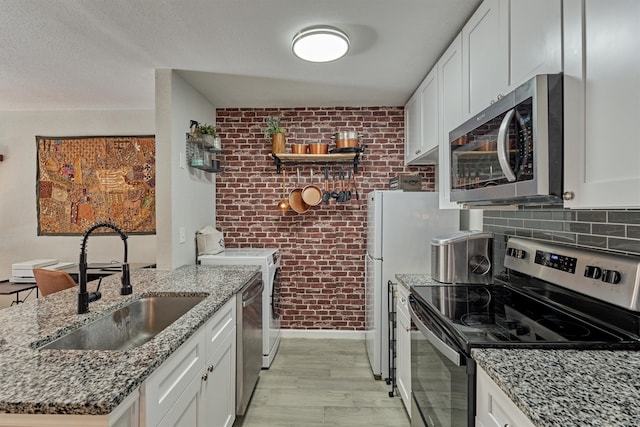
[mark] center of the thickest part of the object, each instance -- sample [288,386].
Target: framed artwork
[84,180]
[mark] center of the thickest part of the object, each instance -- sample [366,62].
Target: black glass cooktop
[499,315]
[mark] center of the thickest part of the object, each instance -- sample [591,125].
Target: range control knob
[592,272]
[611,276]
[516,253]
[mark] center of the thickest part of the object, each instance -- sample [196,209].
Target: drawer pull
[210,368]
[205,376]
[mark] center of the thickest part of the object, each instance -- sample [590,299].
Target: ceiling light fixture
[320,44]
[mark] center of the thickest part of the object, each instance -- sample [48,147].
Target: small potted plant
[210,135]
[275,133]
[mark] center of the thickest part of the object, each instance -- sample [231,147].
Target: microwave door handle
[503,142]
[442,347]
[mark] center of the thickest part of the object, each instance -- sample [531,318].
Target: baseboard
[322,334]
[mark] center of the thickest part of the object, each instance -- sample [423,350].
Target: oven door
[442,376]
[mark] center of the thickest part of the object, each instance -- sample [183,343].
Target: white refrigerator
[400,226]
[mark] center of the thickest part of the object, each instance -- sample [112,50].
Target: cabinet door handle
[210,368]
[205,376]
[418,151]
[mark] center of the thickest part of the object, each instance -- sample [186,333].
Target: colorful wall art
[83,180]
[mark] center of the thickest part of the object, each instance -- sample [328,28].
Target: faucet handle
[126,288]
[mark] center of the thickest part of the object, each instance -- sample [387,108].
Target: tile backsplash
[609,230]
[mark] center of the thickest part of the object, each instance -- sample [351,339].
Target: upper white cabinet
[485,62]
[602,101]
[421,123]
[450,106]
[535,39]
[412,128]
[505,43]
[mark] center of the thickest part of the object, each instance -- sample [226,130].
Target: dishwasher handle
[255,294]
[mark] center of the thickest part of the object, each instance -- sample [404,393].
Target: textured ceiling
[72,54]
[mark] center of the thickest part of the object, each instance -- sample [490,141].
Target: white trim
[322,334]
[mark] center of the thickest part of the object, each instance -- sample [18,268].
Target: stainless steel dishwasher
[249,342]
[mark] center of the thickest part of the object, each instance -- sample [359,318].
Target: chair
[50,281]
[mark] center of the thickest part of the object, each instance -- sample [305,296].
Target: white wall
[187,199]
[18,212]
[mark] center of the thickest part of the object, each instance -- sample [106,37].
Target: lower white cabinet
[196,385]
[403,347]
[218,386]
[493,406]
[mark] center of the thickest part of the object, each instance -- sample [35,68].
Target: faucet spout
[84,297]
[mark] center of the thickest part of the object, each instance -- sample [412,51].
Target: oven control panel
[559,262]
[609,277]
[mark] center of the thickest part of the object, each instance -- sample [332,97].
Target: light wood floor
[322,382]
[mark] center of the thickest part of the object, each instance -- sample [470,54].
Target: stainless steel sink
[128,327]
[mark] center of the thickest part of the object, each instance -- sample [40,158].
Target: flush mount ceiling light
[320,44]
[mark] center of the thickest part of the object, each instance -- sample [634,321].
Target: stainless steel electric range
[550,296]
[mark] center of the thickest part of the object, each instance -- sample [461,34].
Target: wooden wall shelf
[281,159]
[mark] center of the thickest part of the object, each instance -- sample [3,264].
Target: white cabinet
[505,43]
[186,391]
[412,128]
[535,39]
[485,60]
[164,388]
[450,107]
[493,406]
[602,101]
[421,123]
[185,410]
[218,387]
[403,355]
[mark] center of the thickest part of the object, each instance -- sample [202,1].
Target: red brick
[323,250]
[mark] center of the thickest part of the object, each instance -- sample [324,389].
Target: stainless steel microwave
[512,152]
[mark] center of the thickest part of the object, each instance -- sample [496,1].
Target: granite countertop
[95,382]
[409,280]
[568,387]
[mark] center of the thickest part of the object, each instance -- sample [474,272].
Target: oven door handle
[503,142]
[450,353]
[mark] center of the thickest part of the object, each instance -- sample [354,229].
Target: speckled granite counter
[408,280]
[568,387]
[95,382]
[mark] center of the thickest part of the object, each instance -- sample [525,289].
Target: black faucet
[84,297]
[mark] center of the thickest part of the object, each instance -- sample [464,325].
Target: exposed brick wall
[323,250]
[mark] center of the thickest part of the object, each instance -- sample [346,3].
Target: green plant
[206,129]
[273,126]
